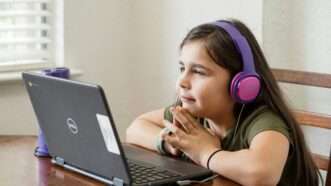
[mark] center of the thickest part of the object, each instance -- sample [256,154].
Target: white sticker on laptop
[108,133]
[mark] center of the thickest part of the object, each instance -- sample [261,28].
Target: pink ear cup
[245,87]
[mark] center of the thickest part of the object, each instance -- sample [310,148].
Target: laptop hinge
[59,161]
[118,182]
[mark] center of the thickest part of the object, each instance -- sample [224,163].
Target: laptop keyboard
[142,174]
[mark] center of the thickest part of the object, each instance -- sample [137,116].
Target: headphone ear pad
[245,87]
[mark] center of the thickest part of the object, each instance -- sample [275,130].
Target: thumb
[171,149]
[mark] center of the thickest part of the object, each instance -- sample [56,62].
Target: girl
[230,116]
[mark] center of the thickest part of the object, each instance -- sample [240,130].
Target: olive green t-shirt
[262,119]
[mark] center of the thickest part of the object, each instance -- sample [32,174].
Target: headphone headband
[245,85]
[241,44]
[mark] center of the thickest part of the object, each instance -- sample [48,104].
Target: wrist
[209,155]
[160,143]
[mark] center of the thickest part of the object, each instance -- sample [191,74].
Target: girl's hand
[190,137]
[172,150]
[168,147]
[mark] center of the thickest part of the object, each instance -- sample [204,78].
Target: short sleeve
[167,114]
[267,121]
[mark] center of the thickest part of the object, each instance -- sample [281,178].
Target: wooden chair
[310,118]
[328,176]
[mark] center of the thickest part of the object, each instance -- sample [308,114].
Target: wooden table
[20,167]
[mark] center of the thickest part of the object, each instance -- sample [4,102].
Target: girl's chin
[194,111]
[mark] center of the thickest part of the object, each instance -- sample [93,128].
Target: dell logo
[72,126]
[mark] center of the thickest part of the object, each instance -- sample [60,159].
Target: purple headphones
[246,85]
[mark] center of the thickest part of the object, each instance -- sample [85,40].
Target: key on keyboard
[142,173]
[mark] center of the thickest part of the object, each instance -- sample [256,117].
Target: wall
[130,48]
[96,42]
[159,26]
[296,36]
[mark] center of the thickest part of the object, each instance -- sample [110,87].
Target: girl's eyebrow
[196,65]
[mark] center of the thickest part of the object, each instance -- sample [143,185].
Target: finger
[174,129]
[178,131]
[179,120]
[173,141]
[194,121]
[190,117]
[183,120]
[172,150]
[174,121]
[164,134]
[211,131]
[177,124]
[169,127]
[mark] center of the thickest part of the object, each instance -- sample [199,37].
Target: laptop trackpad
[180,166]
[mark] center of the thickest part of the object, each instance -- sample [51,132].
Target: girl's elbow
[262,176]
[130,132]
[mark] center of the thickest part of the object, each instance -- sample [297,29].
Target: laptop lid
[67,112]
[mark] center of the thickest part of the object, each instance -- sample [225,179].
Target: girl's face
[202,85]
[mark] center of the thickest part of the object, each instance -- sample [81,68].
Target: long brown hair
[222,50]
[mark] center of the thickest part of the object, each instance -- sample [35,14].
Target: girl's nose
[184,81]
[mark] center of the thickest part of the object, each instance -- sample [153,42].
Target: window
[31,34]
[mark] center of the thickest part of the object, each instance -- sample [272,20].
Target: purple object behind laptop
[62,72]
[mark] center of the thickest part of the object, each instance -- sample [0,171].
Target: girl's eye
[195,71]
[198,72]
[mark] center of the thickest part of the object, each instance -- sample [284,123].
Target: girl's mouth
[187,99]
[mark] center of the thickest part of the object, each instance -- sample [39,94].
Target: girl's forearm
[243,167]
[144,133]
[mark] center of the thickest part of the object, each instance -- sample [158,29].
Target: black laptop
[81,136]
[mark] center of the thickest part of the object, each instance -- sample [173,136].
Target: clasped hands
[189,137]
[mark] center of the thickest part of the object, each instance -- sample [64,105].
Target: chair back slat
[303,78]
[313,119]
[321,161]
[310,118]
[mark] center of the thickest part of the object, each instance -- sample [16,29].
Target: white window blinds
[26,33]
